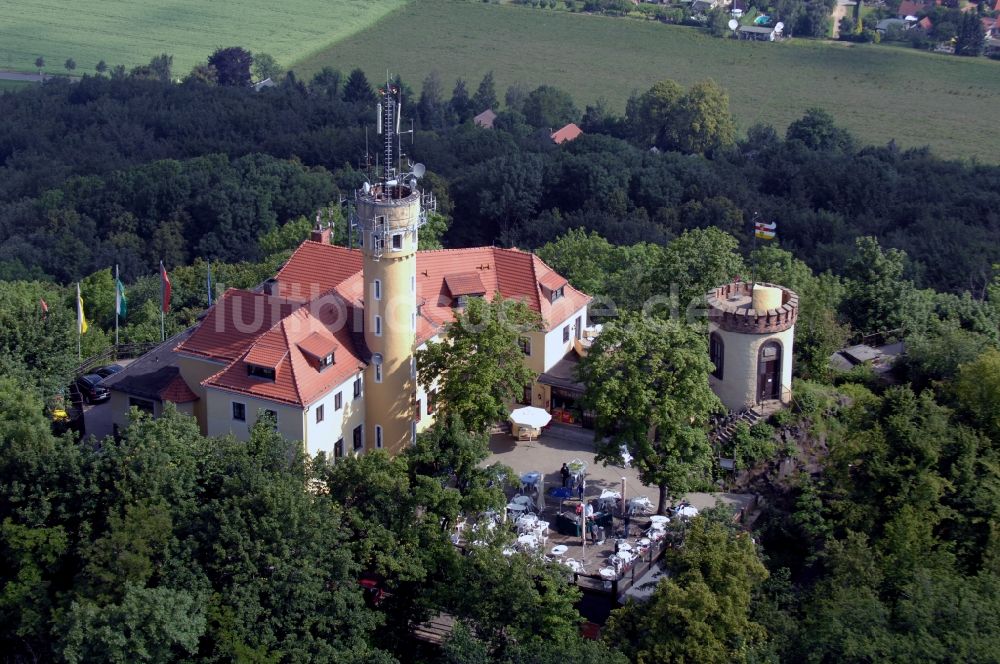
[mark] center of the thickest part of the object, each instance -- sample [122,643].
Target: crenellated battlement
[731,307]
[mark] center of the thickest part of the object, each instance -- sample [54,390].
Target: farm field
[130,32]
[877,92]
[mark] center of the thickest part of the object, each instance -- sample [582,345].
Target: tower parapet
[767,308]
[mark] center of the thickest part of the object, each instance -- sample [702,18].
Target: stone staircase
[724,431]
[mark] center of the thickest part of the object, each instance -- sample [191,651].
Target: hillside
[879,93]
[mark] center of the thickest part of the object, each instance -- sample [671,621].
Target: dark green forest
[164,545]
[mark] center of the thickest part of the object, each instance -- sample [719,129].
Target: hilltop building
[328,345]
[751,332]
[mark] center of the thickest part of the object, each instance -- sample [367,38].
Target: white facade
[337,423]
[557,345]
[739,386]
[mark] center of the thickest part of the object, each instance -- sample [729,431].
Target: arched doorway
[769,371]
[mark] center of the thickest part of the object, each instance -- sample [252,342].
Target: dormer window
[325,361]
[556,294]
[257,371]
[461,301]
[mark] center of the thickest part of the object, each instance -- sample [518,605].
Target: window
[239,411]
[460,301]
[566,334]
[273,414]
[418,407]
[357,387]
[324,362]
[378,326]
[359,437]
[413,321]
[319,413]
[525,344]
[378,436]
[143,405]
[413,284]
[413,367]
[377,363]
[556,294]
[579,326]
[526,395]
[338,401]
[397,241]
[256,371]
[413,433]
[338,449]
[431,399]
[716,352]
[377,289]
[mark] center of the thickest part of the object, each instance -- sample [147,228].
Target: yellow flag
[81,320]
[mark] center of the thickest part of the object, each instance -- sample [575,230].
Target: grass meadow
[877,92]
[130,32]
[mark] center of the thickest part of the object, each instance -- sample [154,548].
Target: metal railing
[113,354]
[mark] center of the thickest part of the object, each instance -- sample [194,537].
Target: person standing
[579,490]
[564,471]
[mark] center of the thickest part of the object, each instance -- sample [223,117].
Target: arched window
[377,361]
[717,353]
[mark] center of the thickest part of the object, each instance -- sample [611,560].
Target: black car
[108,370]
[93,391]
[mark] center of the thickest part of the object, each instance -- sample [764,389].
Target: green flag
[121,304]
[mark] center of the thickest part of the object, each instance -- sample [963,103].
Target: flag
[45,307]
[81,319]
[764,231]
[208,284]
[164,289]
[121,304]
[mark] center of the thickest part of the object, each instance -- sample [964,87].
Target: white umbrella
[530,416]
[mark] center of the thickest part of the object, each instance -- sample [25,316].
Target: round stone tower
[389,214]
[751,331]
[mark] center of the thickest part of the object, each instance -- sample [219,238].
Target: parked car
[107,370]
[93,391]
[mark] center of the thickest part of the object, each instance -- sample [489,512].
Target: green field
[879,93]
[130,32]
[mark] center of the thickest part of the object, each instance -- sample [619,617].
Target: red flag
[45,307]
[164,289]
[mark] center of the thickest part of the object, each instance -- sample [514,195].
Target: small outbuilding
[485,119]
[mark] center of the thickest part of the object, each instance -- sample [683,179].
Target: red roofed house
[568,133]
[327,346]
[910,8]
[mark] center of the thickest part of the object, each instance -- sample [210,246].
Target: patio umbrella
[530,416]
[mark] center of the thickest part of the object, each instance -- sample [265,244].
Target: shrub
[752,445]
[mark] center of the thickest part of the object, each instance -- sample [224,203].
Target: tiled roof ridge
[288,345]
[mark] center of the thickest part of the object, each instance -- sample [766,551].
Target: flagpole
[753,254]
[79,324]
[118,304]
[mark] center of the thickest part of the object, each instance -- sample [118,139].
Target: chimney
[321,235]
[271,287]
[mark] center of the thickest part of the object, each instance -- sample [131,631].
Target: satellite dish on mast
[733,24]
[419,170]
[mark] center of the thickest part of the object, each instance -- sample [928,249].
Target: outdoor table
[559,550]
[516,507]
[527,541]
[608,573]
[575,565]
[658,519]
[531,479]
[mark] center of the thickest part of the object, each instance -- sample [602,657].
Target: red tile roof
[465,283]
[283,332]
[910,8]
[178,391]
[234,323]
[567,133]
[296,380]
[485,119]
[318,345]
[925,23]
[315,268]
